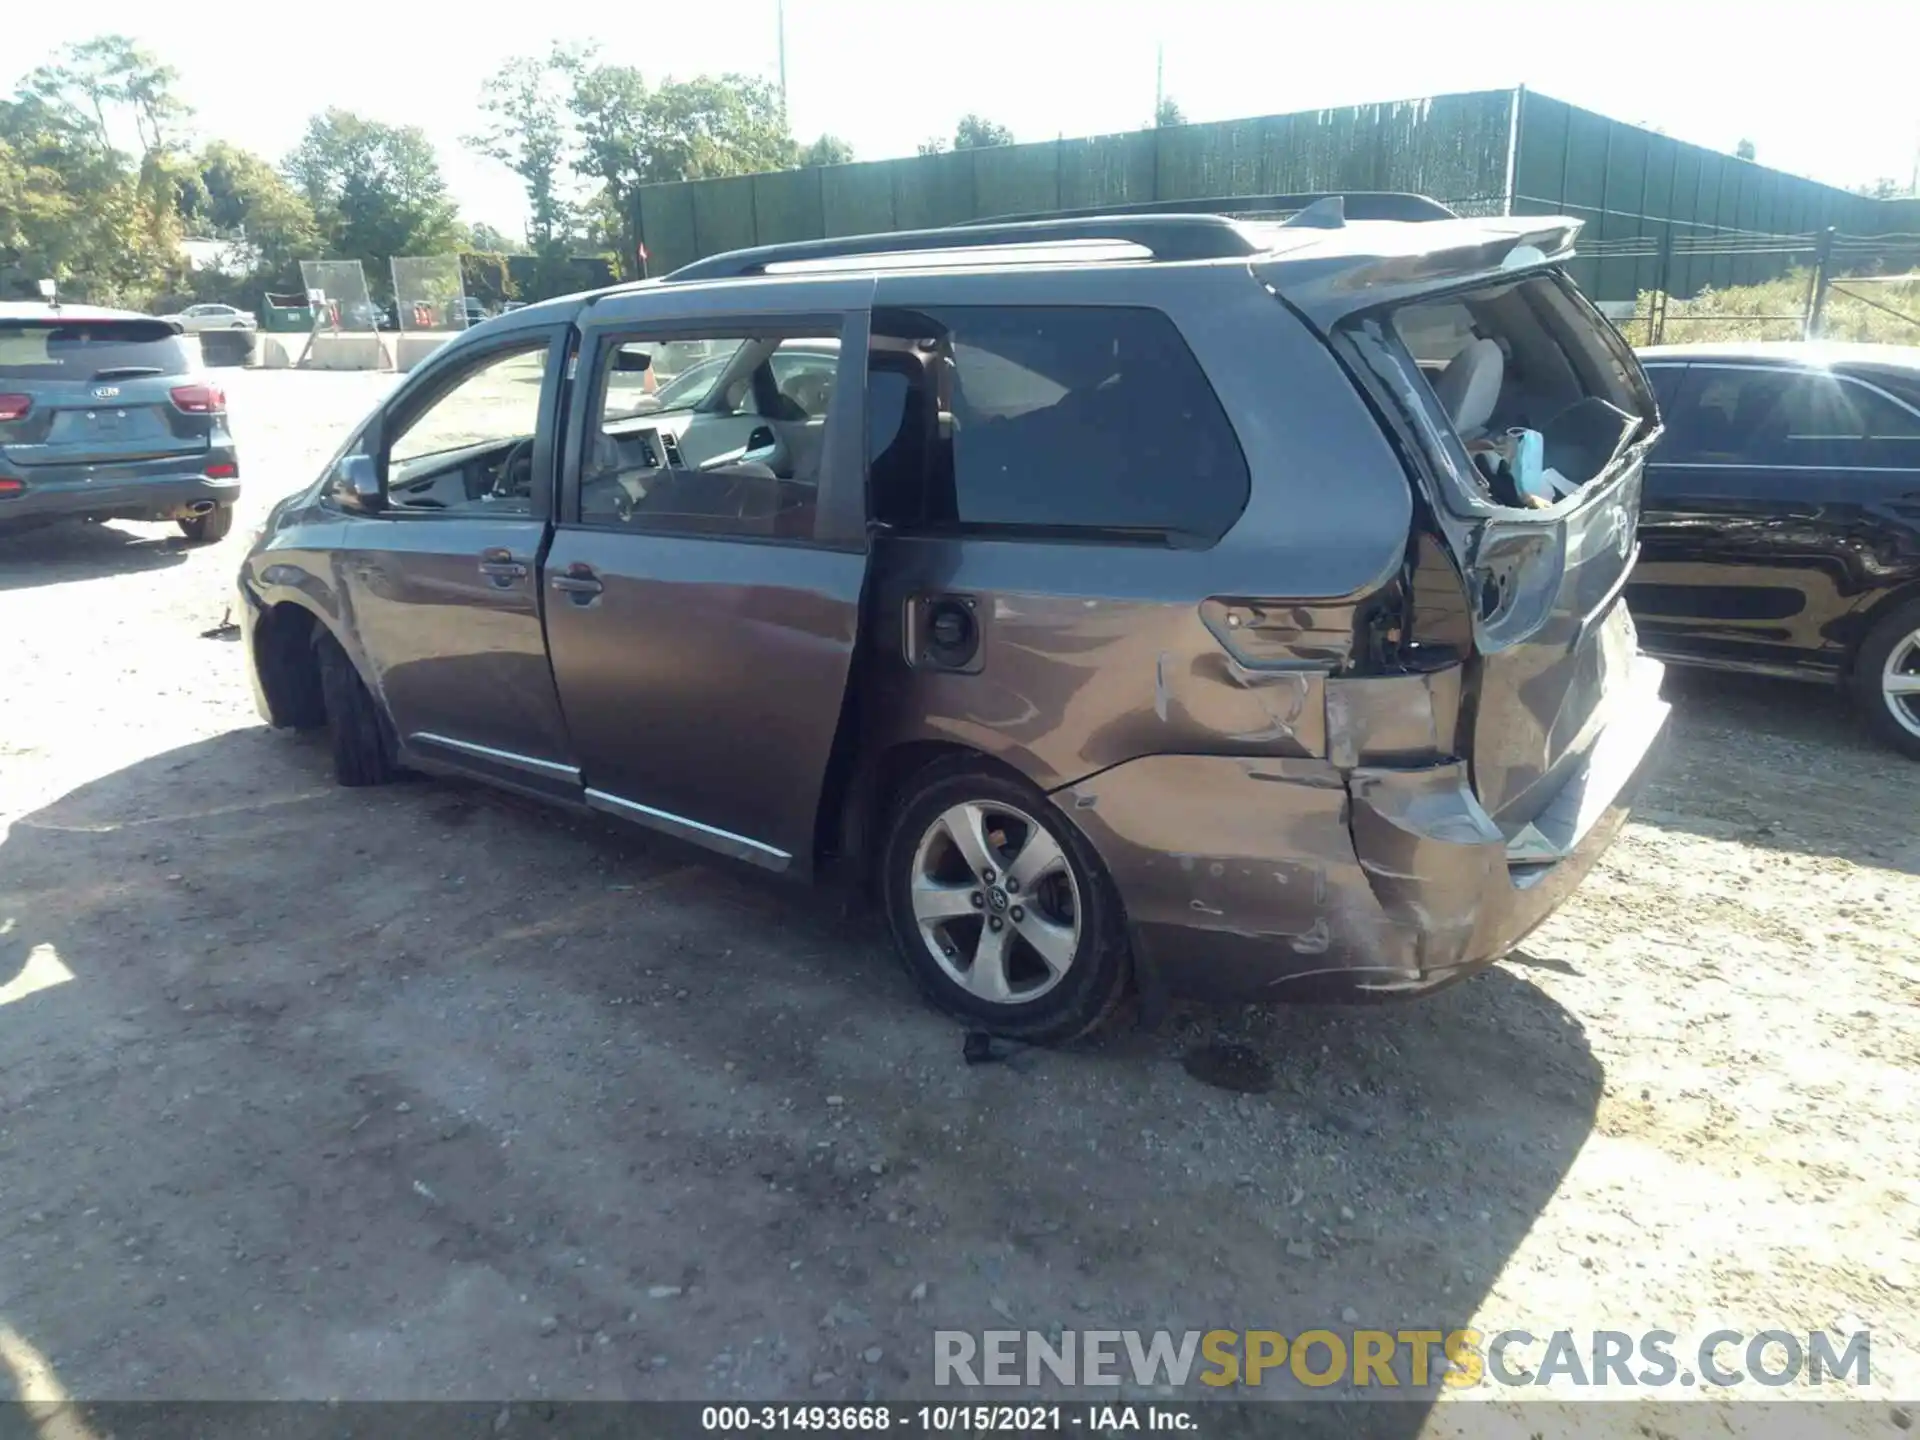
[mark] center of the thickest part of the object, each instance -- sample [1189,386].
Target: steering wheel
[504,488]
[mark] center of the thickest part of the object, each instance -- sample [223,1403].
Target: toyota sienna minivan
[1140,604]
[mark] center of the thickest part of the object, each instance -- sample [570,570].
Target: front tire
[1886,679]
[205,529]
[362,752]
[1001,909]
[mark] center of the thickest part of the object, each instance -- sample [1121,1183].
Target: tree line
[101,178]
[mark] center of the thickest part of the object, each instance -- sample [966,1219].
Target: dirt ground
[423,1092]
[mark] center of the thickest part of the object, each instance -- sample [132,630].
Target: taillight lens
[10,486]
[15,407]
[222,470]
[200,399]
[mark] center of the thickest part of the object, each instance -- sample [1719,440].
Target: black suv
[105,415]
[1149,602]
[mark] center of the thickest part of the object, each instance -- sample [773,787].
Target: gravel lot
[422,1092]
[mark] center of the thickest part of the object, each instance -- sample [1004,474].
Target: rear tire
[1886,679]
[205,529]
[970,846]
[358,730]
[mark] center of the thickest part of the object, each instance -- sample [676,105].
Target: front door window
[470,447]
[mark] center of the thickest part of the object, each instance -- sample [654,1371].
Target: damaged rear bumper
[1247,879]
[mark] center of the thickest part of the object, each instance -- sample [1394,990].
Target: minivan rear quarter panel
[1194,774]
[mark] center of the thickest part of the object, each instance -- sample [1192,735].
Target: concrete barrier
[415,346]
[347,352]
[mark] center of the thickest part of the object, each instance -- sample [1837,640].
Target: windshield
[89,350]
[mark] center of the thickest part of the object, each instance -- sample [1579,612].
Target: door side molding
[710,837]
[543,768]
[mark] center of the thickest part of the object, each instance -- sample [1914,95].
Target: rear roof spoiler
[1166,230]
[1384,266]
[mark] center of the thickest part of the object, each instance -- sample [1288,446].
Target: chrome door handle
[500,567]
[578,581]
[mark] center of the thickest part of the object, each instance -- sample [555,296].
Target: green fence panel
[1454,148]
[1180,162]
[1107,170]
[1584,189]
[723,214]
[1656,205]
[1016,179]
[1540,158]
[857,199]
[1624,182]
[1725,217]
[934,190]
[1283,160]
[787,205]
[666,226]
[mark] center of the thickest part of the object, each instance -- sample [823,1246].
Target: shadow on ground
[70,550]
[1785,766]
[417,1092]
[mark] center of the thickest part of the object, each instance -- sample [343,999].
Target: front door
[704,584]
[1759,531]
[444,583]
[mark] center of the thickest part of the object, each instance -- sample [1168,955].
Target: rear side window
[91,350]
[1751,415]
[1063,420]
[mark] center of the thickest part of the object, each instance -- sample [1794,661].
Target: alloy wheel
[1900,682]
[995,901]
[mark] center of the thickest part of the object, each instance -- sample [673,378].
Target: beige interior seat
[1469,387]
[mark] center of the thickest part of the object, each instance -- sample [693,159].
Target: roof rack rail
[1164,237]
[1165,229]
[1355,204]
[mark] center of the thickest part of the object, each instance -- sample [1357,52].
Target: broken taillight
[200,399]
[14,407]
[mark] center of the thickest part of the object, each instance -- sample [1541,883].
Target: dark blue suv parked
[104,415]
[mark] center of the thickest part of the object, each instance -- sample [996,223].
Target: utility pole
[780,22]
[1159,78]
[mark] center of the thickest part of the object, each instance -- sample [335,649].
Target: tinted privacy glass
[91,350]
[1052,419]
[1733,415]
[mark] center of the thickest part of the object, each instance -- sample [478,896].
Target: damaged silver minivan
[1171,605]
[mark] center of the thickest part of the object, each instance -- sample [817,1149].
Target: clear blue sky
[1830,92]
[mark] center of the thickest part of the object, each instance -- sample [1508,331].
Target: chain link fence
[344,302]
[1743,286]
[429,293]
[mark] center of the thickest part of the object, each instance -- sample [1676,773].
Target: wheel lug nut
[993,922]
[1013,886]
[978,899]
[1018,914]
[987,876]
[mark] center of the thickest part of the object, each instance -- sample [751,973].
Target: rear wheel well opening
[288,670]
[874,790]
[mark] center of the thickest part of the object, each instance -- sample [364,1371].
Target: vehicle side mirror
[632,362]
[355,485]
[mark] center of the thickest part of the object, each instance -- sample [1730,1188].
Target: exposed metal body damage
[1371,867]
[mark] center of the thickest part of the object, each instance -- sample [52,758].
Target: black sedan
[1781,525]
